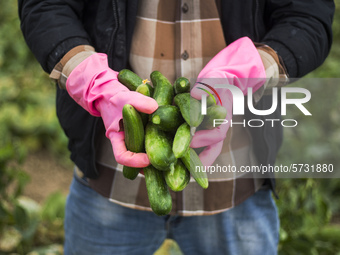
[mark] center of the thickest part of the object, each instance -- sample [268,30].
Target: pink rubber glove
[95,87]
[234,65]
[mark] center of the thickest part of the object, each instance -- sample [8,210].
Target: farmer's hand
[95,87]
[240,65]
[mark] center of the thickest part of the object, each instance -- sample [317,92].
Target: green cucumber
[213,112]
[158,192]
[130,79]
[164,92]
[130,172]
[134,136]
[181,85]
[190,109]
[182,140]
[167,118]
[211,100]
[146,90]
[151,89]
[158,147]
[195,167]
[178,179]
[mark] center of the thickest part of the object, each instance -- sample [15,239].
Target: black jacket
[299,30]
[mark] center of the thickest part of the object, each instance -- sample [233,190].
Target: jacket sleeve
[300,32]
[51,28]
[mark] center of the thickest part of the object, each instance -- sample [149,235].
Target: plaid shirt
[175,38]
[178,38]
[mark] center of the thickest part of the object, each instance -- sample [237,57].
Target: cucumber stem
[156,119]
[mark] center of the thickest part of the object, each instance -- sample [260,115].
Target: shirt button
[185,55]
[185,8]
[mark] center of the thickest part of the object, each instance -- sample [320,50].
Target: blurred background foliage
[309,208]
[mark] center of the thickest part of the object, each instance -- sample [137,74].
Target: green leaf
[54,206]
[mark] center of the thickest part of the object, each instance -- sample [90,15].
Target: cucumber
[151,89]
[213,112]
[146,90]
[195,167]
[190,109]
[211,101]
[133,128]
[182,140]
[158,192]
[178,179]
[158,147]
[164,92]
[134,136]
[130,172]
[181,85]
[167,118]
[130,79]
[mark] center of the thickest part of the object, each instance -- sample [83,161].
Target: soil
[47,175]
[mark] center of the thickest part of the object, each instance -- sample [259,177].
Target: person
[83,44]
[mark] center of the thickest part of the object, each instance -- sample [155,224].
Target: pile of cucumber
[165,136]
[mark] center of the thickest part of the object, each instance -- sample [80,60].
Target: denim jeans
[96,226]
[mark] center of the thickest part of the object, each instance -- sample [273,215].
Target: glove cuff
[71,59]
[276,72]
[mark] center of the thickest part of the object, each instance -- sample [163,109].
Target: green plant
[31,225]
[27,123]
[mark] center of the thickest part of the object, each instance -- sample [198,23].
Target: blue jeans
[96,226]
